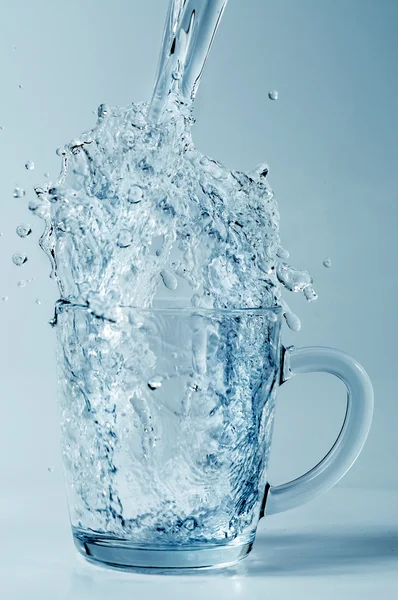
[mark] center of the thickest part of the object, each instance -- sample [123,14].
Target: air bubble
[190,523]
[273,95]
[29,165]
[19,259]
[169,279]
[176,75]
[124,239]
[155,383]
[135,194]
[327,263]
[23,230]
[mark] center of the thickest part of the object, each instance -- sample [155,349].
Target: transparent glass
[167,418]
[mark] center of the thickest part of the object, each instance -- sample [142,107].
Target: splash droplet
[38,301]
[1,127]
[169,279]
[327,263]
[273,95]
[1,234]
[291,278]
[29,165]
[23,230]
[50,469]
[282,252]
[103,110]
[4,299]
[135,194]
[124,239]
[19,259]
[292,320]
[310,294]
[22,283]
[46,174]
[155,383]
[19,192]
[20,86]
[272,317]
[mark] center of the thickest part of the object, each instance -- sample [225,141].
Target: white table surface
[343,545]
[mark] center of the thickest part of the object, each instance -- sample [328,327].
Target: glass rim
[275,309]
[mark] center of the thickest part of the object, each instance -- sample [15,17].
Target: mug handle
[351,438]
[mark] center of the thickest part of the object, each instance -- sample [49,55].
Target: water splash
[137,210]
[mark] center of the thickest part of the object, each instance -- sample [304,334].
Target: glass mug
[167,419]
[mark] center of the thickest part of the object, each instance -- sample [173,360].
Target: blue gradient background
[331,143]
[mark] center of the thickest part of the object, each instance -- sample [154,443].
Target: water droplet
[292,320]
[272,317]
[282,252]
[19,259]
[50,469]
[46,174]
[38,301]
[261,170]
[103,110]
[124,239]
[135,194]
[61,151]
[169,279]
[155,383]
[22,283]
[310,293]
[23,230]
[4,299]
[273,95]
[291,278]
[1,127]
[29,165]
[327,263]
[19,192]
[20,86]
[1,234]
[176,75]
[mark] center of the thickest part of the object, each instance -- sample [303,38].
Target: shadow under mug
[167,419]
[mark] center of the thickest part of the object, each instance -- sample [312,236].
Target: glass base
[120,554]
